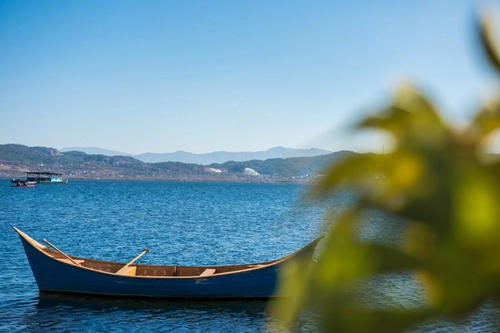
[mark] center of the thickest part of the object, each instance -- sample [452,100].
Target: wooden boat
[56,271]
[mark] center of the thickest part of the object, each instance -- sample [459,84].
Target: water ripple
[183,224]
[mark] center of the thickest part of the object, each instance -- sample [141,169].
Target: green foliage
[441,184]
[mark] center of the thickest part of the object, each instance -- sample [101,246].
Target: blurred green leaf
[488,119]
[444,190]
[488,41]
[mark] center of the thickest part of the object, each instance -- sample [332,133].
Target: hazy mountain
[95,150]
[16,159]
[224,156]
[207,158]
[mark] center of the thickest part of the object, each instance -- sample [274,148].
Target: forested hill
[16,159]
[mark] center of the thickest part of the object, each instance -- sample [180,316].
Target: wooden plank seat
[130,271]
[208,272]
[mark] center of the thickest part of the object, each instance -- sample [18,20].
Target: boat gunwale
[39,247]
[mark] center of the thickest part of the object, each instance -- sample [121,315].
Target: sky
[201,76]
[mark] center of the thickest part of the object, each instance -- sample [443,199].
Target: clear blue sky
[224,75]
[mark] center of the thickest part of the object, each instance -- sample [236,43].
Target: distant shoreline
[234,181]
[16,160]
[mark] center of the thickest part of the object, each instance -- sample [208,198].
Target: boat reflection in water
[105,313]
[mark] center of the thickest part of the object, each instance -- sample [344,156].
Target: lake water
[182,224]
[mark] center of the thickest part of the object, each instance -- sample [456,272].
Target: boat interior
[150,270]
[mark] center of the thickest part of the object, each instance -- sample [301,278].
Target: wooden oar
[132,261]
[61,252]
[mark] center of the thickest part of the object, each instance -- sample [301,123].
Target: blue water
[182,224]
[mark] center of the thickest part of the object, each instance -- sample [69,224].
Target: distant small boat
[56,271]
[21,183]
[41,177]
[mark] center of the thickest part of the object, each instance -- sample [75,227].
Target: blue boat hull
[56,276]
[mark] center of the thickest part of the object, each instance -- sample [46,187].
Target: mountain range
[16,159]
[206,158]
